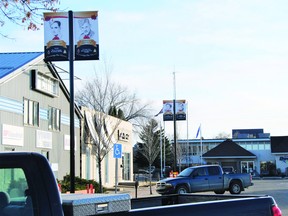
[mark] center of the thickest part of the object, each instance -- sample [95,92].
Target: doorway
[247,167]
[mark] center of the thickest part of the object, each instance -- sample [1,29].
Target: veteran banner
[180,110]
[86,41]
[56,36]
[168,114]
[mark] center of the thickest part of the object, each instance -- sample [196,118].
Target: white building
[111,167]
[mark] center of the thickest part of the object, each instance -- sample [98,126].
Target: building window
[54,119]
[261,147]
[31,112]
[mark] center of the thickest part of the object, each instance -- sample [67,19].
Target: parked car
[228,169]
[142,175]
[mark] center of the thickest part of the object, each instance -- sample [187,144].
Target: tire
[235,187]
[182,189]
[219,192]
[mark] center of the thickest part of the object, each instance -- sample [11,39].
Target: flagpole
[201,146]
[164,155]
[161,172]
[188,157]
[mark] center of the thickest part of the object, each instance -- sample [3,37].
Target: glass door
[247,167]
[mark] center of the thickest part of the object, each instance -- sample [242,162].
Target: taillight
[276,211]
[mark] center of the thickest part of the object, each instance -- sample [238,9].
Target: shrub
[80,184]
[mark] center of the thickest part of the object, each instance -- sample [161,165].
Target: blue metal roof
[10,62]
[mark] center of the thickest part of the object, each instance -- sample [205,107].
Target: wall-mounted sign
[284,159]
[123,136]
[45,84]
[43,139]
[12,135]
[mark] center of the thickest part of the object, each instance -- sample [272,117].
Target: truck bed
[201,204]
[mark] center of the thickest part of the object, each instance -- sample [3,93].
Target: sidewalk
[143,191]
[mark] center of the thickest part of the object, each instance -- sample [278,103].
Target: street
[277,188]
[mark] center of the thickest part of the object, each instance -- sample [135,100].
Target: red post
[87,188]
[91,188]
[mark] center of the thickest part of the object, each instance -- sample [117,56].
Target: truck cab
[21,181]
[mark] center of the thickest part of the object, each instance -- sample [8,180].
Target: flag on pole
[160,112]
[198,131]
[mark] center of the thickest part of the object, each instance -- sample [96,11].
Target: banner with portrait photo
[180,109]
[168,110]
[86,39]
[56,36]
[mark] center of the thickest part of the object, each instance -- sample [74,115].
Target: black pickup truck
[28,188]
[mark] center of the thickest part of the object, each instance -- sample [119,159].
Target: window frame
[54,119]
[31,114]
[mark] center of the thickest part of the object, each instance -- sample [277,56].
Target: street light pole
[161,167]
[174,123]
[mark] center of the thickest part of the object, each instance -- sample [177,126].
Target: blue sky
[230,58]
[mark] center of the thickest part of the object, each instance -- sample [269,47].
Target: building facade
[250,150]
[114,131]
[34,111]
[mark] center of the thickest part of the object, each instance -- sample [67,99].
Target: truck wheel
[235,187]
[219,192]
[182,189]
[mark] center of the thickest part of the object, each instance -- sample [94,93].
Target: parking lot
[278,188]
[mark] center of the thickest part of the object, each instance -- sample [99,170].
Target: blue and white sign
[117,151]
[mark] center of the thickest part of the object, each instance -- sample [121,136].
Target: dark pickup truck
[205,178]
[28,188]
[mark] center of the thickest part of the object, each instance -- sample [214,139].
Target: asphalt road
[277,188]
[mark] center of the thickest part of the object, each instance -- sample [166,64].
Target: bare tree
[25,12]
[107,98]
[102,128]
[222,135]
[181,151]
[150,148]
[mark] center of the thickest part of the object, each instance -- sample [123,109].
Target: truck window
[213,170]
[14,193]
[200,172]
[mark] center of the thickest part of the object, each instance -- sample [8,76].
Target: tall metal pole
[161,167]
[187,150]
[72,108]
[164,149]
[201,145]
[174,123]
